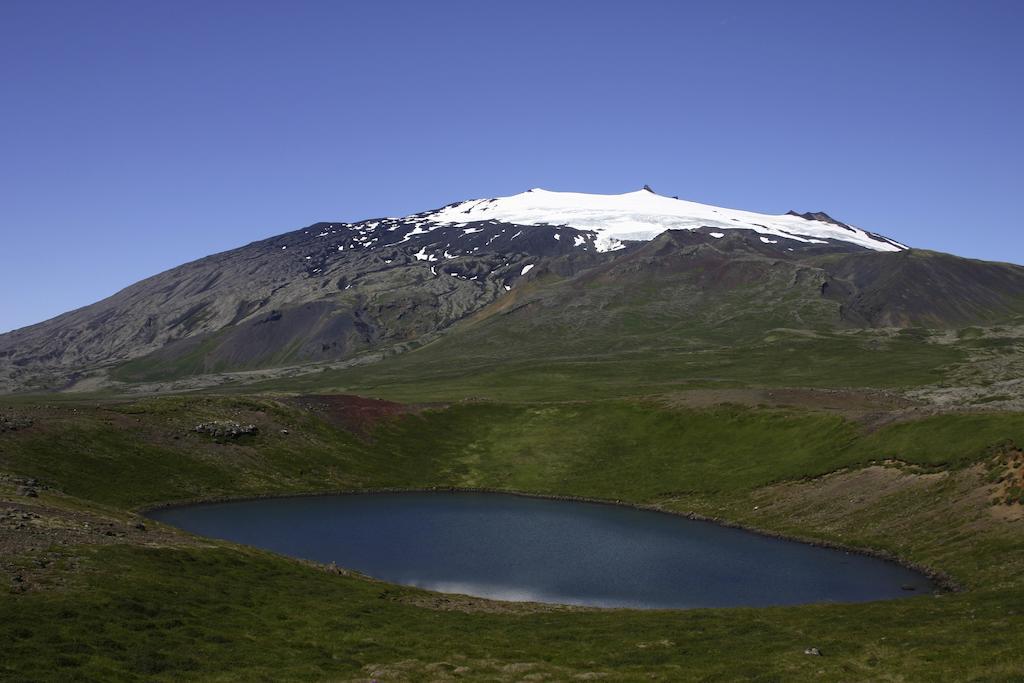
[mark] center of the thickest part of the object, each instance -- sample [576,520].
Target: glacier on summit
[643,215]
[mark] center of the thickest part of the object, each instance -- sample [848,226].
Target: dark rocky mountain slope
[590,270]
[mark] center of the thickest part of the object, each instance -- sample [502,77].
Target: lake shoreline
[944,583]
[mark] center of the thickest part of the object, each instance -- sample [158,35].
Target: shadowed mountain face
[568,270]
[324,292]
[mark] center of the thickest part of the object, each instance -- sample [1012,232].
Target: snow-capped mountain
[336,290]
[613,219]
[544,223]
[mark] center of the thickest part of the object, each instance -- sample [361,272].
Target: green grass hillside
[155,604]
[480,364]
[137,454]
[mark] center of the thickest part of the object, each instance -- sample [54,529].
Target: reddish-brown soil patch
[354,413]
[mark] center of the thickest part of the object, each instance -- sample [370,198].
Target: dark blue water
[515,548]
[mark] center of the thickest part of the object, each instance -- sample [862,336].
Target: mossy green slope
[481,365]
[145,453]
[219,612]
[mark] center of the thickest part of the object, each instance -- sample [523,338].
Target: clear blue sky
[139,135]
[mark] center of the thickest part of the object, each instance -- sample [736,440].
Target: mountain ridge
[334,290]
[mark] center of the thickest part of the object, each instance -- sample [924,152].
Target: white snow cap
[643,215]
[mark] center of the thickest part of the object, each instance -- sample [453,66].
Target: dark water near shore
[516,548]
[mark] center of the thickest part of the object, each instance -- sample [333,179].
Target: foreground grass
[243,615]
[126,612]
